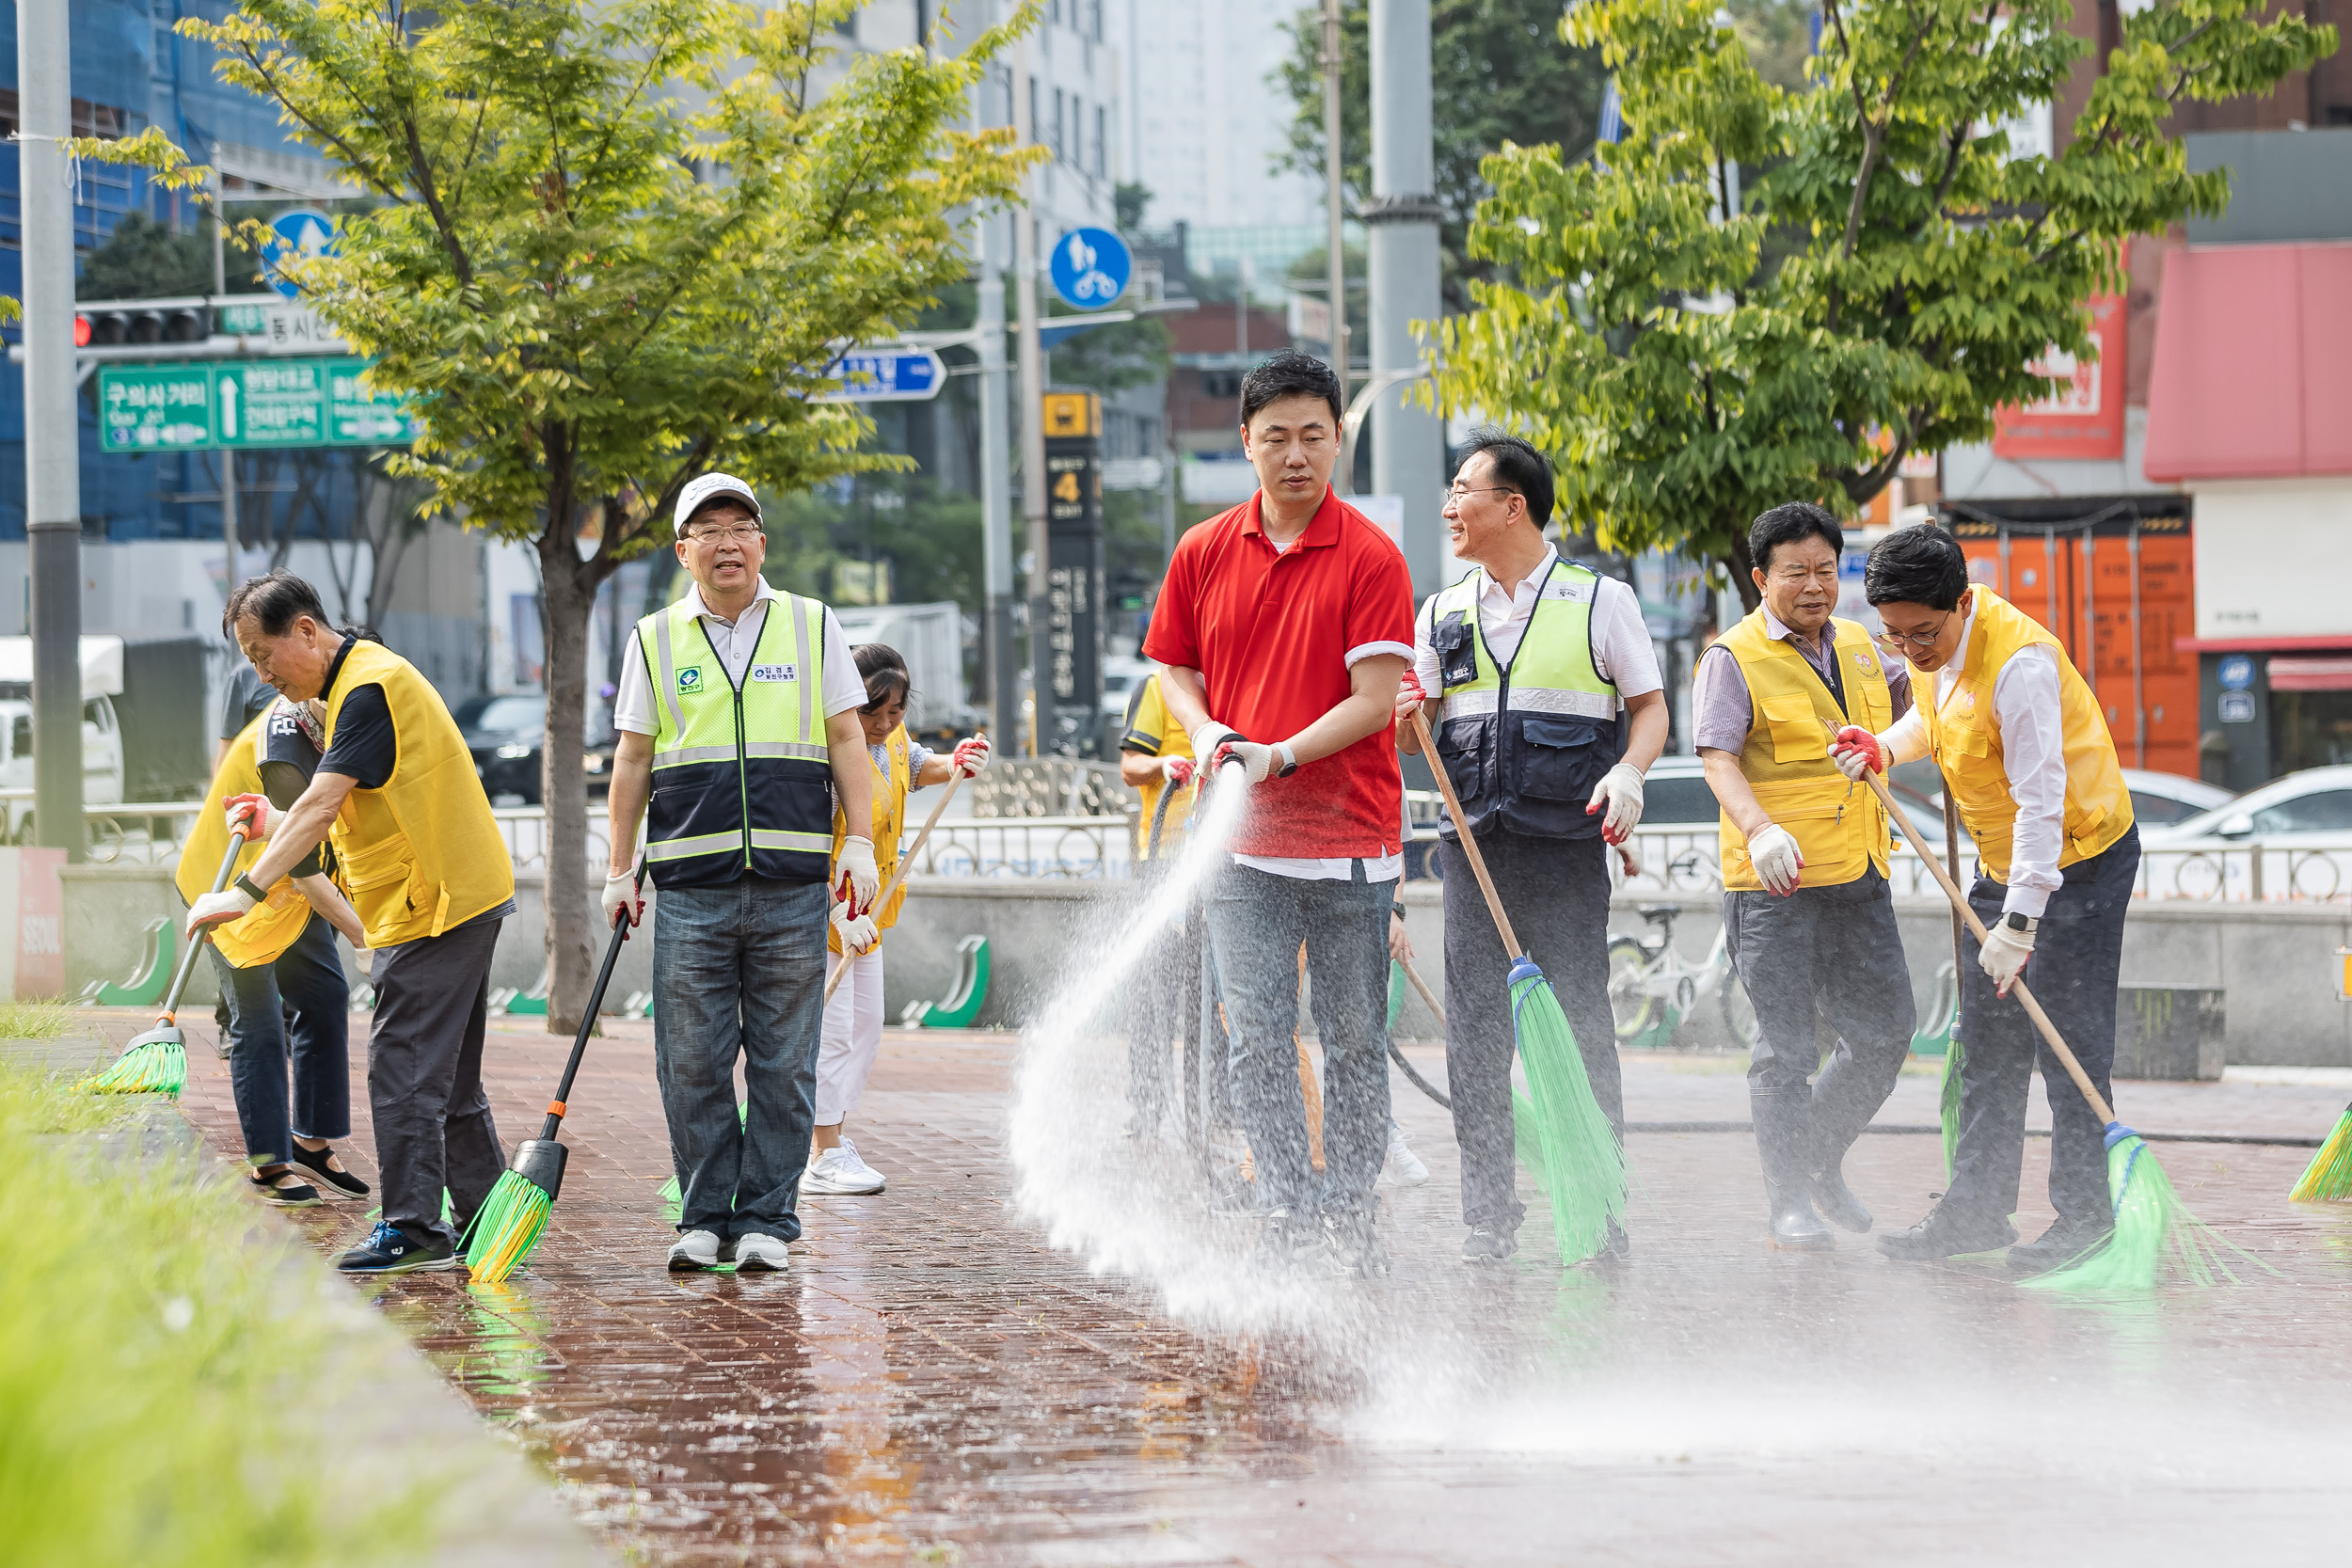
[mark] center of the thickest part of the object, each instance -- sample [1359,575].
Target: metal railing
[129,832]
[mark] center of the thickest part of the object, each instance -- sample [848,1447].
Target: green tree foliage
[610,245]
[144,260]
[1682,388]
[930,537]
[1499,72]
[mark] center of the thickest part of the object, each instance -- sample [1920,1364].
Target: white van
[102,736]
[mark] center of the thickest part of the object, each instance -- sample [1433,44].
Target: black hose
[1419,1081]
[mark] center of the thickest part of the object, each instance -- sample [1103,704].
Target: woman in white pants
[853,1019]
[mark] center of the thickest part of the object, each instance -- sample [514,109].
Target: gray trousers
[432,1126]
[739,969]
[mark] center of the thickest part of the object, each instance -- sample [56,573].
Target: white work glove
[1620,793]
[1210,736]
[218,909]
[363,960]
[248,814]
[1409,696]
[1856,751]
[972,755]
[1774,855]
[622,892]
[856,878]
[2004,955]
[1257,761]
[858,933]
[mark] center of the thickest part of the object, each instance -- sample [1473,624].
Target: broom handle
[1421,986]
[1468,842]
[588,1019]
[188,959]
[2017,987]
[906,864]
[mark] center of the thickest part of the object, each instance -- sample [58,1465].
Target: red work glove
[1856,749]
[248,814]
[972,755]
[1178,770]
[1409,696]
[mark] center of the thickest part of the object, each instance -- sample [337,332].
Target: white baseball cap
[701,492]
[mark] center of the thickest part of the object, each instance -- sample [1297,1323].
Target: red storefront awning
[2253,364]
[2311,674]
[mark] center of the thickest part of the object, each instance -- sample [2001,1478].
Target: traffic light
[106,325]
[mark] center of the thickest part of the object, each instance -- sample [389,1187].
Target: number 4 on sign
[1066,487]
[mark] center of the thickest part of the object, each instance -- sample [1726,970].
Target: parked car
[506,735]
[1120,676]
[101,733]
[2168,799]
[2303,823]
[1676,793]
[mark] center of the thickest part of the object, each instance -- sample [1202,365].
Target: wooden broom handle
[906,864]
[1469,843]
[1427,999]
[2017,987]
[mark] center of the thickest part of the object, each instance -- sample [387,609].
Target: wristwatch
[1290,759]
[1396,912]
[2017,921]
[246,886]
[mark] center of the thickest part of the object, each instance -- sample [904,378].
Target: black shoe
[2059,1246]
[1616,1247]
[1794,1227]
[1290,1240]
[284,1190]
[1836,1202]
[1355,1245]
[338,1185]
[388,1250]
[1489,1244]
[1943,1235]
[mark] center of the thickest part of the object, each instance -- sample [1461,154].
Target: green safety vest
[1526,742]
[742,779]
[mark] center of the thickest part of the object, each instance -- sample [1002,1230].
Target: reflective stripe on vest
[1840,826]
[1964,737]
[741,773]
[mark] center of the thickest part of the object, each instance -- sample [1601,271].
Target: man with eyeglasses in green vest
[738,721]
[1541,686]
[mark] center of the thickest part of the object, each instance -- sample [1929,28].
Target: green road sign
[203,405]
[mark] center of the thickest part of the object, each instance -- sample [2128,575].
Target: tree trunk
[568,598]
[386,519]
[1743,567]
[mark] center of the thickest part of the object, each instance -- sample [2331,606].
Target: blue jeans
[309,978]
[1257,923]
[740,967]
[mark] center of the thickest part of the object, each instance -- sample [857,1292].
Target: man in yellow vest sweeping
[2027,756]
[1545,697]
[430,877]
[1808,917]
[739,729]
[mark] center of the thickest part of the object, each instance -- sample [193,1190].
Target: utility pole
[1032,416]
[1002,676]
[53,472]
[228,457]
[1335,200]
[1408,450]
[1241,331]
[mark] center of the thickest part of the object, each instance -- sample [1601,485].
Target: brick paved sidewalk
[929,1382]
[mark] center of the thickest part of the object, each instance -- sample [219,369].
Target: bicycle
[1652,987]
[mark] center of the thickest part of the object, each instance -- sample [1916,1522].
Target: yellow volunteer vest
[422,854]
[1964,737]
[1840,826]
[270,927]
[891,785]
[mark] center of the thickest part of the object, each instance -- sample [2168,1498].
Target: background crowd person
[1541,685]
[851,1035]
[1284,628]
[738,722]
[1155,760]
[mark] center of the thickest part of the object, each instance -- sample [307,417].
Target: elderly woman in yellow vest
[1807,913]
[428,873]
[854,1018]
[278,958]
[2026,753]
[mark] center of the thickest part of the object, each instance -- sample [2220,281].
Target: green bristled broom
[2151,1222]
[157,1061]
[506,1228]
[2328,1177]
[1582,1163]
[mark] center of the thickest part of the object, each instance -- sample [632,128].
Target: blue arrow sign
[887,375]
[1090,267]
[301,232]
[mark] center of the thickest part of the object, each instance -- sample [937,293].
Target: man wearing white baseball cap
[738,727]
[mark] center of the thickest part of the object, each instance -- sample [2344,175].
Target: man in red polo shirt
[1285,626]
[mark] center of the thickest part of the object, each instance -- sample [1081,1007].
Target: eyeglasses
[1896,642]
[1459,491]
[741,534]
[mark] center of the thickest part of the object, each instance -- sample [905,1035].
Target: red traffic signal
[81,332]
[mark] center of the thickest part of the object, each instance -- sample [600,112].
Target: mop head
[2328,1177]
[158,1064]
[1582,1162]
[1949,1104]
[2153,1228]
[505,1228]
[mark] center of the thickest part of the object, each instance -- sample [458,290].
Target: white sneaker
[696,1249]
[760,1253]
[839,1173]
[1404,1165]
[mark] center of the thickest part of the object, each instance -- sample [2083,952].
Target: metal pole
[1032,421]
[1335,201]
[228,521]
[2139,695]
[2091,613]
[1407,452]
[1001,682]
[1241,331]
[52,474]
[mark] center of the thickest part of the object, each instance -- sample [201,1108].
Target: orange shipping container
[2124,585]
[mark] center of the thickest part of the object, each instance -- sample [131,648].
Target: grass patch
[35,1021]
[155,1382]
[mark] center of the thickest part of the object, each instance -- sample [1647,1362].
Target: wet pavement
[933,1382]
